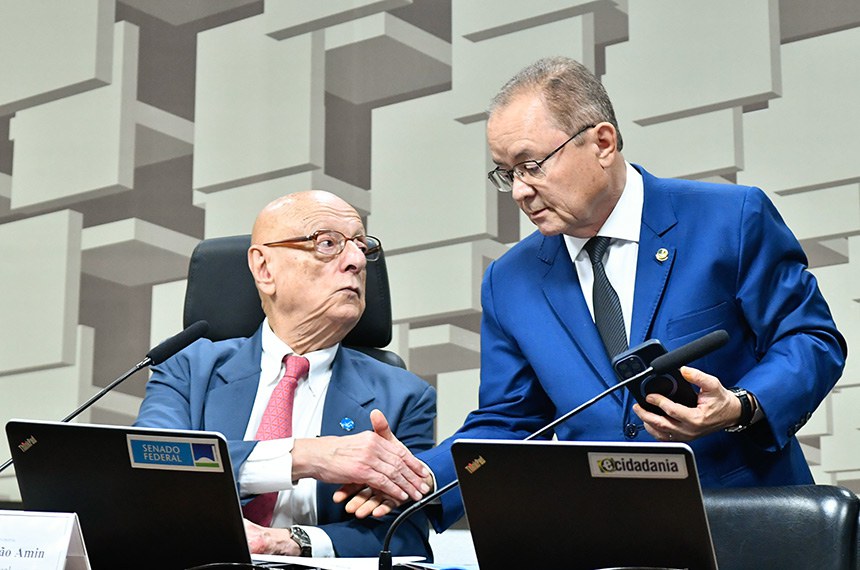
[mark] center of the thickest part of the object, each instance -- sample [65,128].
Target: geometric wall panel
[448,277]
[704,145]
[443,348]
[460,392]
[168,302]
[481,68]
[839,205]
[5,192]
[233,211]
[259,105]
[40,264]
[88,138]
[802,19]
[477,20]
[730,58]
[47,395]
[841,452]
[381,57]
[187,11]
[134,252]
[50,50]
[437,175]
[803,138]
[840,285]
[288,18]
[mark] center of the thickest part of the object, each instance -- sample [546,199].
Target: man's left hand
[717,408]
[265,540]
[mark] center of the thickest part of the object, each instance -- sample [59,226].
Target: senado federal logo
[638,465]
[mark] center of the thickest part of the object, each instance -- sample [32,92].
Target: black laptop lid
[541,504]
[145,498]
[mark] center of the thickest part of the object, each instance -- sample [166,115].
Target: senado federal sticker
[175,453]
[638,465]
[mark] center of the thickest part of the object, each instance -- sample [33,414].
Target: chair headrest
[221,291]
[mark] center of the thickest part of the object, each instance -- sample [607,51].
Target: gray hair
[573,95]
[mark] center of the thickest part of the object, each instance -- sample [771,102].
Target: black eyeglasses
[527,170]
[330,243]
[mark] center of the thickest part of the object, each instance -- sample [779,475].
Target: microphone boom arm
[385,554]
[672,359]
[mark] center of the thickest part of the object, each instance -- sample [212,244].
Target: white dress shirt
[270,465]
[622,227]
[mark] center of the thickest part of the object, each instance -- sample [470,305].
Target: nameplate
[620,465]
[41,541]
[174,453]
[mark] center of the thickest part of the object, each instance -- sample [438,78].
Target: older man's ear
[258,264]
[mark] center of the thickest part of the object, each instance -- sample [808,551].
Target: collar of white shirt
[274,350]
[625,219]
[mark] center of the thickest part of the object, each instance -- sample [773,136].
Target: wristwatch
[751,412]
[301,538]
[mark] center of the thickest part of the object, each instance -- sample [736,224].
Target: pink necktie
[277,423]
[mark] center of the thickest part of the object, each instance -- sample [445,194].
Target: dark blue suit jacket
[211,386]
[733,264]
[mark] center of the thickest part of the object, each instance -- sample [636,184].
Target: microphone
[156,355]
[690,351]
[672,359]
[176,343]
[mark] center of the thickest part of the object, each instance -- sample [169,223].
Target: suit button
[630,431]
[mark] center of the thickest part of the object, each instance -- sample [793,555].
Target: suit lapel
[234,389]
[347,411]
[657,251]
[560,286]
[348,397]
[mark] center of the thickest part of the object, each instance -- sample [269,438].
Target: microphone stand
[157,355]
[142,364]
[385,561]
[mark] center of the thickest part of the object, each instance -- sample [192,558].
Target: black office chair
[799,527]
[221,291]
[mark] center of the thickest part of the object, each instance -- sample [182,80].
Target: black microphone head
[690,351]
[177,342]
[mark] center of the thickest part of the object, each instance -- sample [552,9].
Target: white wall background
[131,129]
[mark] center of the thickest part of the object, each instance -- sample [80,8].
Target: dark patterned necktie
[607,309]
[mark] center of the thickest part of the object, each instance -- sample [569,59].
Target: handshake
[378,472]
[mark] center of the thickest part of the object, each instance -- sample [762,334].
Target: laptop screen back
[145,498]
[587,505]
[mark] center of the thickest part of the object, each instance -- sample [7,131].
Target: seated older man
[282,395]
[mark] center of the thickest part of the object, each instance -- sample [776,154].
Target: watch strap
[747,411]
[301,538]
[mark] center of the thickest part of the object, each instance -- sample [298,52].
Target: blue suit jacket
[211,386]
[733,265]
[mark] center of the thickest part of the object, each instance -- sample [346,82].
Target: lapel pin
[347,424]
[662,254]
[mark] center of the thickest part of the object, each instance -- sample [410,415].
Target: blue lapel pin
[347,424]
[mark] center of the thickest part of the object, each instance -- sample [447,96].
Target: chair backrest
[221,291]
[804,526]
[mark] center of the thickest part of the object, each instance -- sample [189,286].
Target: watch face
[301,538]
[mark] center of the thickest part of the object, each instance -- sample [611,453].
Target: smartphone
[670,384]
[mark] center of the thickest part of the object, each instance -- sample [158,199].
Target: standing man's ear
[606,139]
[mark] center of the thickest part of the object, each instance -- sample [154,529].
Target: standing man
[680,258]
[308,257]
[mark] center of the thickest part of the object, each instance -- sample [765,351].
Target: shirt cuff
[433,485]
[268,468]
[321,546]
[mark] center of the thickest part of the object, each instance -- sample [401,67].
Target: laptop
[553,504]
[146,498]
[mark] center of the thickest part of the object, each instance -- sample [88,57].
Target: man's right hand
[374,459]
[365,502]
